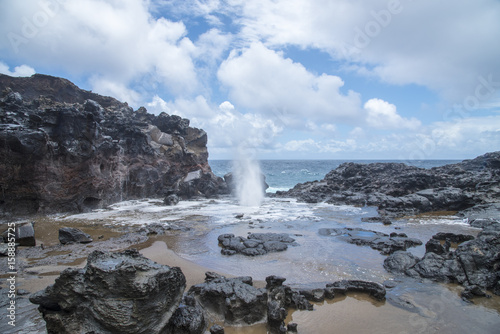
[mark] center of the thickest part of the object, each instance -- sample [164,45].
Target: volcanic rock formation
[67,149]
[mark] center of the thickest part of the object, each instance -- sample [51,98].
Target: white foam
[221,211]
[275,189]
[439,220]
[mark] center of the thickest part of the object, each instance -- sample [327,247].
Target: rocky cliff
[399,189]
[67,149]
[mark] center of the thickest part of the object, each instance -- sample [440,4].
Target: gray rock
[400,262]
[25,234]
[398,189]
[114,293]
[435,246]
[255,244]
[232,300]
[171,200]
[216,329]
[188,318]
[96,150]
[452,237]
[386,244]
[376,290]
[70,234]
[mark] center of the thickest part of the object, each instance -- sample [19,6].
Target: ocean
[285,174]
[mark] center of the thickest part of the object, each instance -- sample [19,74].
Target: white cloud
[383,115]
[116,41]
[264,81]
[301,145]
[115,89]
[442,45]
[19,71]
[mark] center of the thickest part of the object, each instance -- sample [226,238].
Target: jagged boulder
[475,262]
[255,244]
[233,300]
[374,289]
[115,293]
[70,234]
[385,243]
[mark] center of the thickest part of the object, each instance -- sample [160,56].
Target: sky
[282,79]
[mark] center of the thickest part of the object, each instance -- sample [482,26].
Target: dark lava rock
[114,293]
[376,290]
[484,223]
[188,318]
[216,329]
[400,261]
[171,200]
[398,189]
[452,237]
[383,220]
[386,244]
[435,246]
[67,149]
[70,234]
[232,300]
[482,211]
[255,244]
[474,263]
[472,291]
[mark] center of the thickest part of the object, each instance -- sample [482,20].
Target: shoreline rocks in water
[475,262]
[398,189]
[71,150]
[125,292]
[385,243]
[255,244]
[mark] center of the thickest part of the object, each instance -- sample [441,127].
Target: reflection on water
[411,307]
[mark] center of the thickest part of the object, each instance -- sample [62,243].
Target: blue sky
[283,79]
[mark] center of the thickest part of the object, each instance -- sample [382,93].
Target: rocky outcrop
[474,263]
[70,234]
[114,293]
[66,149]
[233,300]
[385,243]
[399,189]
[255,244]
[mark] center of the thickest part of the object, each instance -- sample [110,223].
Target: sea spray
[248,180]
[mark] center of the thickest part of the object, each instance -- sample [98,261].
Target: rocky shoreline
[125,292]
[397,189]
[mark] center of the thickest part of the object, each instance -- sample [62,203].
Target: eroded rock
[233,300]
[386,244]
[255,244]
[115,293]
[70,234]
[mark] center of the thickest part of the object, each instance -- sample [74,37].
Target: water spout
[248,180]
